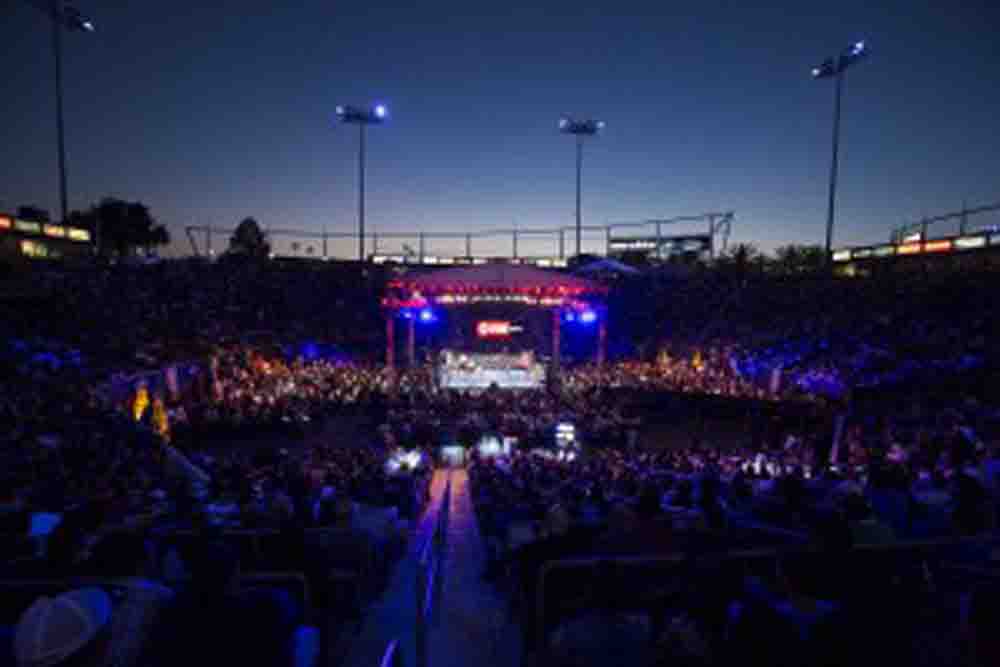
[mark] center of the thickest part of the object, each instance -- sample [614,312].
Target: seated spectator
[972,513]
[866,528]
[69,630]
[978,627]
[214,621]
[122,559]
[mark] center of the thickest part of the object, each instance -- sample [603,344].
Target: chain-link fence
[546,245]
[956,223]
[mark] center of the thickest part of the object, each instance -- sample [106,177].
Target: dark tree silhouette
[249,240]
[121,226]
[33,213]
[797,259]
[742,258]
[576,261]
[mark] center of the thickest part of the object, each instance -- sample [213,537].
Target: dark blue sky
[211,114]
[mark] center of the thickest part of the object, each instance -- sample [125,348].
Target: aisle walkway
[391,617]
[471,628]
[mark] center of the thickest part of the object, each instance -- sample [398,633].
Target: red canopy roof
[497,278]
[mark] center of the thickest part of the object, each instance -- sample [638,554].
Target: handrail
[393,656]
[429,566]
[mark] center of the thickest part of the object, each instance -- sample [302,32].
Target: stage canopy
[413,296]
[496,278]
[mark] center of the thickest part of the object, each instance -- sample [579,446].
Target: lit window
[34,249]
[77,234]
[28,226]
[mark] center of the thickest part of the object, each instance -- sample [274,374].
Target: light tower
[376,115]
[581,129]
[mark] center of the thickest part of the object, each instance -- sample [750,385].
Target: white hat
[53,629]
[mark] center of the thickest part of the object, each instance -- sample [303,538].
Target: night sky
[210,114]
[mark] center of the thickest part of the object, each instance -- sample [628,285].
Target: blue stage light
[569,316]
[588,317]
[426,315]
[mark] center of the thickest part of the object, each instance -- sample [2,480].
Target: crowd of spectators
[90,494]
[83,481]
[881,487]
[124,317]
[826,335]
[707,370]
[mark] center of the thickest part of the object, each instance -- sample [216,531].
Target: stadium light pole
[580,129]
[362,118]
[63,17]
[835,68]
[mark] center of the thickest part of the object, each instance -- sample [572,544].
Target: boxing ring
[415,299]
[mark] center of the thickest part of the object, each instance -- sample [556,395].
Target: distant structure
[32,239]
[649,240]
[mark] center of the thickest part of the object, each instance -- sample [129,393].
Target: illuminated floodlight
[834,68]
[588,317]
[426,315]
[361,116]
[588,127]
[74,19]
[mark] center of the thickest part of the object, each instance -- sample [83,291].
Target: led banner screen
[884,251]
[663,247]
[967,242]
[496,329]
[943,245]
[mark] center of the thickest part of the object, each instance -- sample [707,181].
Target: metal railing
[430,576]
[965,221]
[538,244]
[393,656]
[430,563]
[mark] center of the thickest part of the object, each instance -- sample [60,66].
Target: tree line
[117,226]
[122,227]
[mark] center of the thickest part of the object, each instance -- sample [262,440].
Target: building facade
[30,240]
